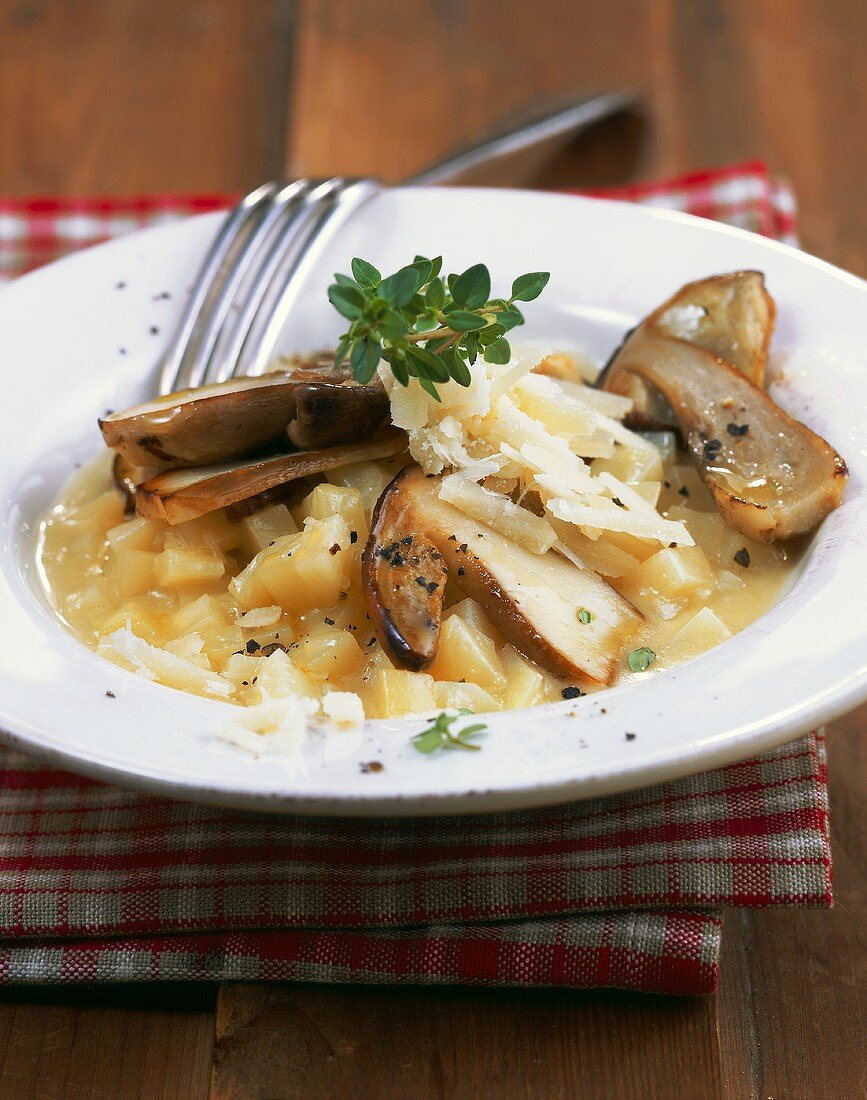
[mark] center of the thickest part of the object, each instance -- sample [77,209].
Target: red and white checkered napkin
[103,884]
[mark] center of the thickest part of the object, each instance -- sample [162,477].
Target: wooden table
[144,95]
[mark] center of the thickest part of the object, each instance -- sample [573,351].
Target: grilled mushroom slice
[532,599]
[771,477]
[315,408]
[731,316]
[179,495]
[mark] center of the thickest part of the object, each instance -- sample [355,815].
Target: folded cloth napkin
[103,884]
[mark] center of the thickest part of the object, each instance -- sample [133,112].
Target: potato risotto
[311,542]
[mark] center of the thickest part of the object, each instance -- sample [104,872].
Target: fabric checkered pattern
[103,884]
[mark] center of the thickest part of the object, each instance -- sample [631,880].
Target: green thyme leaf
[342,350]
[429,387]
[461,320]
[399,289]
[424,325]
[366,354]
[347,300]
[473,288]
[435,294]
[498,352]
[640,660]
[528,287]
[441,735]
[510,317]
[584,616]
[391,325]
[365,273]
[428,364]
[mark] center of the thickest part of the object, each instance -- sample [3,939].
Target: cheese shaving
[540,432]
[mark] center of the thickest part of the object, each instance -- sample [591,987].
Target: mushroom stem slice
[230,419]
[179,495]
[731,316]
[532,599]
[771,476]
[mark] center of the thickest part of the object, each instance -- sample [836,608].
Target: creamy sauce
[173,587]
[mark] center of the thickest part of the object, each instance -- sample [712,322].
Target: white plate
[805,662]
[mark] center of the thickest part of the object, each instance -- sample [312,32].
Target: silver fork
[251,277]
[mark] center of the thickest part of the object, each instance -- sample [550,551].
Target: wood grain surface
[122,96]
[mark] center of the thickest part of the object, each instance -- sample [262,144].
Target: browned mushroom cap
[731,316]
[771,477]
[532,599]
[179,495]
[230,419]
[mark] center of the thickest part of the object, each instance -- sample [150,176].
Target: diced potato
[311,573]
[327,652]
[473,614]
[721,542]
[649,491]
[100,514]
[264,527]
[525,685]
[465,653]
[214,530]
[631,464]
[141,619]
[221,644]
[729,582]
[177,567]
[238,668]
[202,615]
[600,555]
[369,478]
[340,500]
[394,693]
[704,630]
[676,571]
[132,572]
[664,583]
[279,676]
[135,534]
[349,614]
[248,587]
[460,696]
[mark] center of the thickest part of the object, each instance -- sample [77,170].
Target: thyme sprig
[440,734]
[423,325]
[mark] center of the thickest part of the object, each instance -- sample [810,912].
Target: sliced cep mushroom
[770,476]
[731,316]
[532,599]
[404,578]
[179,495]
[329,411]
[217,423]
[128,478]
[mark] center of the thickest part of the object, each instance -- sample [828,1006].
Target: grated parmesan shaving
[146,660]
[540,432]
